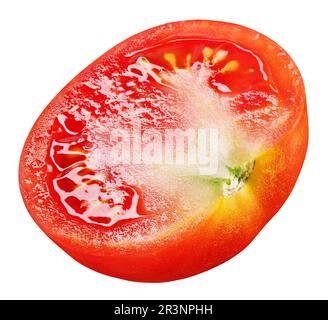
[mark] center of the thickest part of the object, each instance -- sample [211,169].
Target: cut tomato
[167,155]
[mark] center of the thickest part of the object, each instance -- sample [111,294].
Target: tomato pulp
[167,155]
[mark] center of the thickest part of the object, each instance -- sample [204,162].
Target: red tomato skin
[227,230]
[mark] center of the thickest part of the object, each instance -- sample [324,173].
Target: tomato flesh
[192,74]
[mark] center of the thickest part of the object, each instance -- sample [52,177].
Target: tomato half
[148,211]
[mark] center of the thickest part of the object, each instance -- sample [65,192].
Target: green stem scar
[238,176]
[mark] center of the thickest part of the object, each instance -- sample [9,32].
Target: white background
[43,44]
